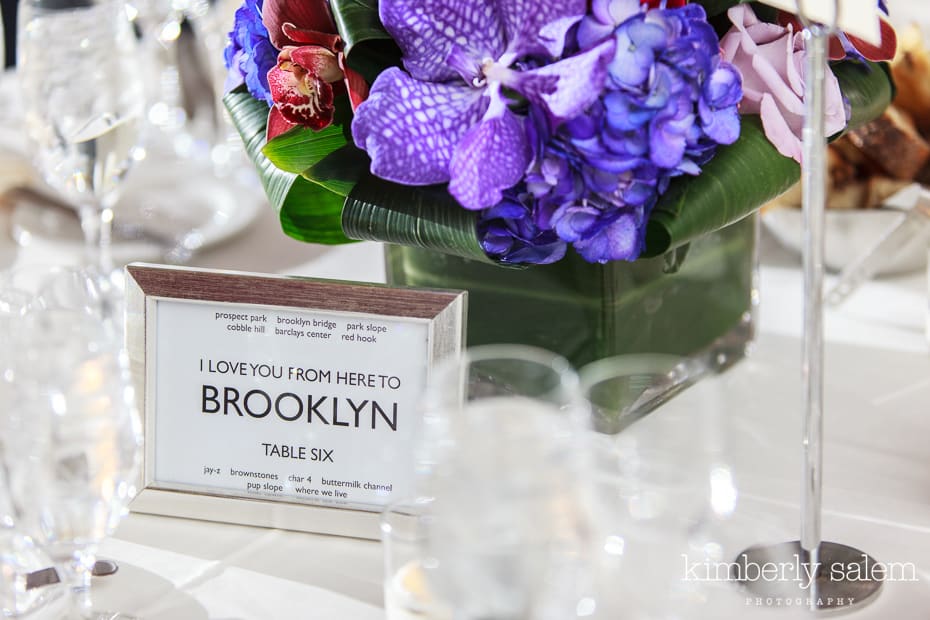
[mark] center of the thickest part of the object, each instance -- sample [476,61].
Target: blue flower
[249,54]
[668,102]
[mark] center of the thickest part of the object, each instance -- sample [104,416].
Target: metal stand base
[842,578]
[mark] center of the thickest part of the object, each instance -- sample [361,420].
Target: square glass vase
[704,307]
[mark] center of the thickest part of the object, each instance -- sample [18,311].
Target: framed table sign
[281,401]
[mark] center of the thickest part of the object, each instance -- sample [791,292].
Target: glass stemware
[72,467]
[160,23]
[82,92]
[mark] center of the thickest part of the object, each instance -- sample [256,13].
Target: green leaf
[357,21]
[424,217]
[300,148]
[340,170]
[370,58]
[737,181]
[717,7]
[312,213]
[868,88]
[308,211]
[744,176]
[369,48]
[765,12]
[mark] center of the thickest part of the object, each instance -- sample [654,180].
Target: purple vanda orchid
[447,118]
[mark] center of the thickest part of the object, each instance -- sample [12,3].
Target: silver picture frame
[150,287]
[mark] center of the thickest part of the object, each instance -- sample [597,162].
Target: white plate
[167,197]
[849,234]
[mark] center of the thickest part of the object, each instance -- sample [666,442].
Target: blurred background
[187,185]
[9,33]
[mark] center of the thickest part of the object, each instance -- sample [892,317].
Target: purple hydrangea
[448,117]
[249,54]
[669,100]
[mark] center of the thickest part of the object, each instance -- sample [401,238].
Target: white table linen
[877,475]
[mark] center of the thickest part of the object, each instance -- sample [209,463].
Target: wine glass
[500,456]
[82,93]
[160,23]
[210,22]
[72,467]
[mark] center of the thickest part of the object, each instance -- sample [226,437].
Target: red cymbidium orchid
[664,4]
[311,68]
[846,44]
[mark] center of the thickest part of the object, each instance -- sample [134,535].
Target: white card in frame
[281,401]
[858,17]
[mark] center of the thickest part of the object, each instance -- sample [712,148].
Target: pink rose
[771,59]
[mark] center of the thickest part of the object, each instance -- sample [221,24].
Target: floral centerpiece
[517,132]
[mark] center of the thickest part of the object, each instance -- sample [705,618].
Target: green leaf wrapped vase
[588,171]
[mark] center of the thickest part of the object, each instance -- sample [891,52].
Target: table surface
[877,458]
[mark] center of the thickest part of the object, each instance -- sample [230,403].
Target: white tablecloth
[877,498]
[877,478]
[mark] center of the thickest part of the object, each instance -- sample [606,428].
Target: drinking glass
[500,457]
[663,490]
[20,557]
[73,461]
[160,23]
[83,97]
[405,530]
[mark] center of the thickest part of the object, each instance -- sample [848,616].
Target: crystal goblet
[82,93]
